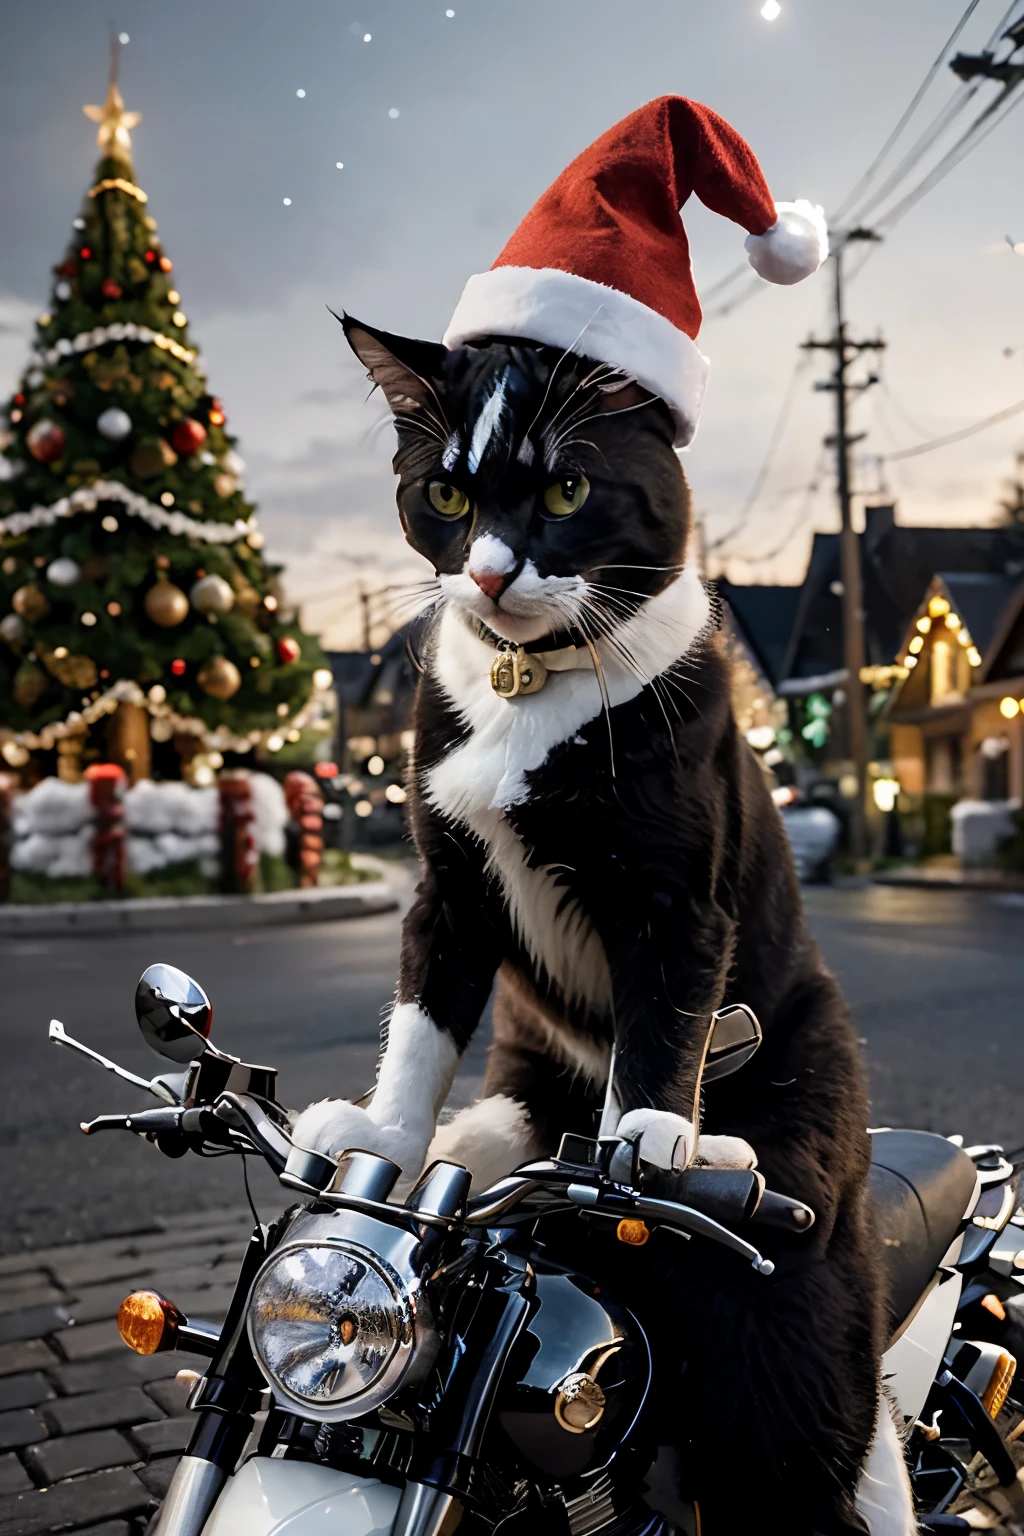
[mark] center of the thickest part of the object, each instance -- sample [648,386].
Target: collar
[560,658]
[515,670]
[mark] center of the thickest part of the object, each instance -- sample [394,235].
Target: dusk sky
[492,102]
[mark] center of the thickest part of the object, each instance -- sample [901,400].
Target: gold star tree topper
[114,121]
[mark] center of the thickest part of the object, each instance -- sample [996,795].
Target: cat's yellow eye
[567,495]
[447,499]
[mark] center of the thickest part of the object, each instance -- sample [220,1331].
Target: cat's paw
[666,1140]
[724,1152]
[334,1126]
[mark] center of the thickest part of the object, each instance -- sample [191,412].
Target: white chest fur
[487,775]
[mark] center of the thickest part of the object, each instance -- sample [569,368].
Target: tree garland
[127,692]
[118,184]
[88,498]
[125,330]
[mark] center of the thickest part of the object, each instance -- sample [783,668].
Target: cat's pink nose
[489,582]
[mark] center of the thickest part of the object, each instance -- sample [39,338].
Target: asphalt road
[935,980]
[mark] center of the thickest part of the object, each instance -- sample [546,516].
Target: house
[955,722]
[798,631]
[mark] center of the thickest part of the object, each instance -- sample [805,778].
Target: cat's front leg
[416,1073]
[449,957]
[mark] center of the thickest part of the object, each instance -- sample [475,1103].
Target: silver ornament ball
[212,594]
[63,291]
[12,627]
[114,423]
[63,572]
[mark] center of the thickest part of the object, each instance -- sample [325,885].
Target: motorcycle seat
[919,1188]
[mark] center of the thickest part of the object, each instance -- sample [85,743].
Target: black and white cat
[595,833]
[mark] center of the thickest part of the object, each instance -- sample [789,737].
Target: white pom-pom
[794,247]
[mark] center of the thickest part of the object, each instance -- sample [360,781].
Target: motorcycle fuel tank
[578,1378]
[267,1497]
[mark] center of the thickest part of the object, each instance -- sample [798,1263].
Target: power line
[931,135]
[953,157]
[778,432]
[915,102]
[942,120]
[956,437]
[810,490]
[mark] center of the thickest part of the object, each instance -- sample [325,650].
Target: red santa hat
[601,265]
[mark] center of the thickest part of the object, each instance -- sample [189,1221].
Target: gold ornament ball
[30,683]
[220,678]
[152,457]
[225,485]
[30,604]
[166,604]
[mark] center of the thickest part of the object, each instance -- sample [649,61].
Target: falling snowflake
[287,201]
[393,112]
[300,94]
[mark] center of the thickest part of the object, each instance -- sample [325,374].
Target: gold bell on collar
[514,671]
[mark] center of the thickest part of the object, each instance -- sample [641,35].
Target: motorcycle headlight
[332,1327]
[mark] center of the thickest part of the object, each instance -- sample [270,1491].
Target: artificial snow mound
[173,823]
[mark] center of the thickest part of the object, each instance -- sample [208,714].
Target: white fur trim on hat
[560,309]
[794,247]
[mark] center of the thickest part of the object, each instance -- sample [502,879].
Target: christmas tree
[135,605]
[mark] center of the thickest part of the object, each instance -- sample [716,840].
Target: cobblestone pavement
[89,1432]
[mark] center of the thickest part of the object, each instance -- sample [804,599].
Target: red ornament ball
[166,264]
[150,256]
[46,441]
[288,650]
[85,252]
[110,289]
[178,667]
[189,436]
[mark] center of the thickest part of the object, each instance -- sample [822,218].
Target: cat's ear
[408,372]
[622,394]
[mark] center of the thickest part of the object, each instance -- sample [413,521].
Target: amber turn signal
[148,1322]
[632,1231]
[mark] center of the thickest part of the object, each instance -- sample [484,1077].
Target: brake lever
[59,1036]
[682,1217]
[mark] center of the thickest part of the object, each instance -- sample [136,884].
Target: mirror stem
[60,1036]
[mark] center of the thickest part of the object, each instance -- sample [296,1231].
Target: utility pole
[845,352]
[364,600]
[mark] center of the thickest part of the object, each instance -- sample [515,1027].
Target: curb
[919,880]
[150,913]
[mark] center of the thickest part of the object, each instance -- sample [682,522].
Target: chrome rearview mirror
[174,1013]
[734,1037]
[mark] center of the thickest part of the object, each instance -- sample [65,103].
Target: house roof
[1005,655]
[764,616]
[897,564]
[980,598]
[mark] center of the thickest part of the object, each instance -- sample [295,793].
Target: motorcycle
[400,1366]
